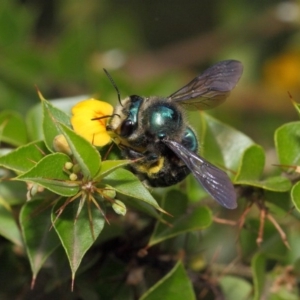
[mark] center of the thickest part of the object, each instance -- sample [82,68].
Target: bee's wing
[215,181]
[210,88]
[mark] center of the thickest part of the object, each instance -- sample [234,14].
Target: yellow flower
[93,130]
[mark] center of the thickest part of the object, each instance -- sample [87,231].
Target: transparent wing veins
[215,181]
[210,88]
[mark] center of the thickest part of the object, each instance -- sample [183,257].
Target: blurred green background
[153,47]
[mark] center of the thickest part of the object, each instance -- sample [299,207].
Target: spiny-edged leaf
[12,128]
[235,288]
[295,194]
[109,166]
[39,240]
[84,152]
[49,173]
[51,127]
[287,142]
[220,143]
[251,165]
[124,182]
[8,225]
[258,266]
[175,203]
[25,157]
[76,235]
[176,285]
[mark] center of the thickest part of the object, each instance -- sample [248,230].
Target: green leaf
[175,203]
[287,142]
[13,192]
[174,286]
[295,194]
[251,168]
[40,241]
[25,157]
[74,231]
[12,128]
[8,225]
[198,219]
[34,118]
[84,152]
[51,118]
[125,183]
[235,288]
[49,173]
[280,200]
[109,166]
[276,184]
[140,206]
[220,143]
[258,266]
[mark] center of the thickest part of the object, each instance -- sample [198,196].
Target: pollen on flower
[86,122]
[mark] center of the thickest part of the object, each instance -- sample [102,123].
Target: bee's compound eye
[164,120]
[127,128]
[189,140]
[131,123]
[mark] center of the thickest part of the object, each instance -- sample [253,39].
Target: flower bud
[60,144]
[119,207]
[109,192]
[73,176]
[68,165]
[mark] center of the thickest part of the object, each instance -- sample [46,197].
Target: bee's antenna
[104,117]
[114,85]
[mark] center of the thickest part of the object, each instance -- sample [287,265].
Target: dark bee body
[149,121]
[154,132]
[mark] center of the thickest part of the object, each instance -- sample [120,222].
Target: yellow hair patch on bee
[153,169]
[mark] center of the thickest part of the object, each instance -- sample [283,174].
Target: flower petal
[93,130]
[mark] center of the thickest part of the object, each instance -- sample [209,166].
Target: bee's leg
[146,157]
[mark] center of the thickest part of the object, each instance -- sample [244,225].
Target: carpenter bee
[154,132]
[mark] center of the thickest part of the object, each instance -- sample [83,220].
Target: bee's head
[125,118]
